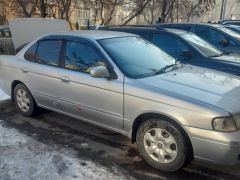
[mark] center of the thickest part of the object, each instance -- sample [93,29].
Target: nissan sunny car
[175,113]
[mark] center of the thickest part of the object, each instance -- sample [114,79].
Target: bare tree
[151,11]
[168,10]
[109,6]
[66,8]
[198,8]
[103,9]
[28,6]
[138,7]
[167,7]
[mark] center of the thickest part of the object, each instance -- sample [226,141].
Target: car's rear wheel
[24,101]
[1,51]
[163,145]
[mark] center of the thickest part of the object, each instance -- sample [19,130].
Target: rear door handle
[24,70]
[65,79]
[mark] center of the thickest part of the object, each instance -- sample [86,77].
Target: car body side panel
[42,80]
[89,97]
[8,72]
[216,147]
[183,111]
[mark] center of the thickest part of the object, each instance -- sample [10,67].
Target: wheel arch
[146,116]
[13,85]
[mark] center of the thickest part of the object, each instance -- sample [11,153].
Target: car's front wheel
[163,145]
[24,101]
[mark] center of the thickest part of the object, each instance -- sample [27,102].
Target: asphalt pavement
[53,146]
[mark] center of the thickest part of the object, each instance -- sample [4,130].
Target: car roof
[177,31]
[150,28]
[232,25]
[190,24]
[93,34]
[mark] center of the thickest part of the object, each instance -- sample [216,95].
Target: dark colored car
[233,27]
[186,47]
[218,35]
[6,44]
[230,22]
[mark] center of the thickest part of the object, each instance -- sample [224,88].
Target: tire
[24,101]
[163,145]
[1,51]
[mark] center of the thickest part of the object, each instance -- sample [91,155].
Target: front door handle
[24,70]
[65,79]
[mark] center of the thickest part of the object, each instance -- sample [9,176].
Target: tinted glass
[171,44]
[31,52]
[81,57]
[185,28]
[230,32]
[209,34]
[203,46]
[144,35]
[48,52]
[237,30]
[136,57]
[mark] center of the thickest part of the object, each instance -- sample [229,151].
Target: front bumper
[217,147]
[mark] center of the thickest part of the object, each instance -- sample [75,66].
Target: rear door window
[48,52]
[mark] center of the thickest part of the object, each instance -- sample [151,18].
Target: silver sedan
[175,113]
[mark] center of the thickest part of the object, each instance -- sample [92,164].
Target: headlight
[237,120]
[226,124]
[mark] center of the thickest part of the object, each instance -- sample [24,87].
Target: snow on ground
[3,96]
[22,157]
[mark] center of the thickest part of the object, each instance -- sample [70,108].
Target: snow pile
[22,157]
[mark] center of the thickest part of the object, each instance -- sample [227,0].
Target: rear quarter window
[30,55]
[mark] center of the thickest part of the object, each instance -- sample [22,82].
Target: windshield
[230,32]
[203,46]
[136,57]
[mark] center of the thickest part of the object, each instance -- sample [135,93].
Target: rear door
[40,71]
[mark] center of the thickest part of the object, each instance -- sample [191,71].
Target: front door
[93,99]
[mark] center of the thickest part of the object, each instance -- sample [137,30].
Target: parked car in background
[6,44]
[230,22]
[233,27]
[186,47]
[124,83]
[218,35]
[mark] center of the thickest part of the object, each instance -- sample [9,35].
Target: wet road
[76,150]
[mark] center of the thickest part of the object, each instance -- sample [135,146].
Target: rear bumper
[217,147]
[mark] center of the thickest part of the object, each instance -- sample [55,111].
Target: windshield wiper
[218,55]
[165,68]
[174,66]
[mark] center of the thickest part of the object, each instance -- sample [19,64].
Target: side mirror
[224,42]
[100,72]
[186,54]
